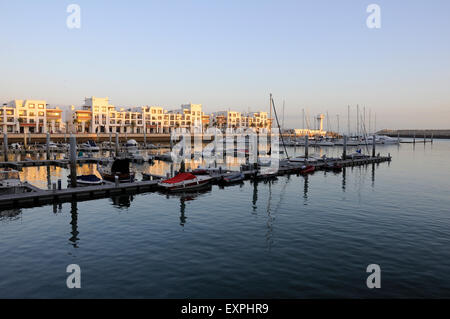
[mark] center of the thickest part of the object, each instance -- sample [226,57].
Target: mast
[303,118]
[348,119]
[338,128]
[357,121]
[278,124]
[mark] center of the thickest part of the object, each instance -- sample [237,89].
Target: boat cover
[179,178]
[121,166]
[88,178]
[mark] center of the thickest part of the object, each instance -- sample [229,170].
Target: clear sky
[317,55]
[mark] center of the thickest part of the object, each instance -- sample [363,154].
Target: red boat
[184,182]
[307,169]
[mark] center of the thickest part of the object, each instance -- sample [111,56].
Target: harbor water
[296,237]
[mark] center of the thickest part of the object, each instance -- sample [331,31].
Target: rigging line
[278,123]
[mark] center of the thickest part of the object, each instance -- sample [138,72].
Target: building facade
[98,115]
[30,116]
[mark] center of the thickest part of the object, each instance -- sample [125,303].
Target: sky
[314,55]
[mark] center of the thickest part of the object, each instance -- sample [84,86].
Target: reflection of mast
[255,195]
[305,189]
[74,222]
[373,175]
[182,210]
[343,178]
[269,219]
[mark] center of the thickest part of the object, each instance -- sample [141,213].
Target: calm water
[298,237]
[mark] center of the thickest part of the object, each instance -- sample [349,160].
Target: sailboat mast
[348,119]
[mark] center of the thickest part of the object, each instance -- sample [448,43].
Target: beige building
[30,116]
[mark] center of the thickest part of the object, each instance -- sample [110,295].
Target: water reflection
[74,224]
[344,175]
[8,215]
[255,196]
[186,197]
[305,189]
[122,201]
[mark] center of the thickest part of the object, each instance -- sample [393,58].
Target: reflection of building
[30,116]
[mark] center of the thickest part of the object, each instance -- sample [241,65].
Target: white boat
[10,182]
[267,173]
[90,146]
[132,152]
[303,159]
[88,180]
[184,182]
[324,143]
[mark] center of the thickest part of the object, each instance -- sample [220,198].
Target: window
[41,106]
[31,106]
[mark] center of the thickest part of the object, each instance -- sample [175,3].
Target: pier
[38,197]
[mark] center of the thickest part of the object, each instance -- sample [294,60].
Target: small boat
[90,146]
[88,180]
[307,169]
[10,182]
[184,182]
[267,173]
[233,177]
[119,167]
[324,143]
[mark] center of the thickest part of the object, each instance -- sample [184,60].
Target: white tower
[319,119]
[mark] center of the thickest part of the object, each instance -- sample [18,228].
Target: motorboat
[118,167]
[185,181]
[267,173]
[303,159]
[90,146]
[10,182]
[88,180]
[233,177]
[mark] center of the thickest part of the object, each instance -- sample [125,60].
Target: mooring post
[373,146]
[48,146]
[116,180]
[73,161]
[5,146]
[24,139]
[344,152]
[398,137]
[306,145]
[414,138]
[424,138]
[110,141]
[59,184]
[431,138]
[145,136]
[171,141]
[117,144]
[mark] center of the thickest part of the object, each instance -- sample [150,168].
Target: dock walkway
[39,197]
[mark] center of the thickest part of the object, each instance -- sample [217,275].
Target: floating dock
[38,197]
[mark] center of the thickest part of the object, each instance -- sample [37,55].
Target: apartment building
[30,116]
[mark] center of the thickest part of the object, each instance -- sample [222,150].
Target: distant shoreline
[417,133]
